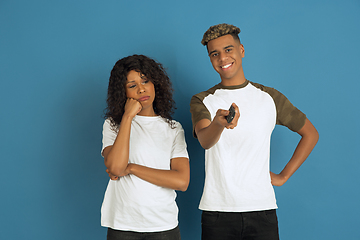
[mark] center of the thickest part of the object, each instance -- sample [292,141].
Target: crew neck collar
[149,118]
[235,86]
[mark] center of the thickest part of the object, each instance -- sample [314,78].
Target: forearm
[302,151]
[309,138]
[117,158]
[209,132]
[172,179]
[210,135]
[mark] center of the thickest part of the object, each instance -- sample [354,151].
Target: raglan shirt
[237,166]
[133,204]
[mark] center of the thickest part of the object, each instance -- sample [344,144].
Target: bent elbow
[315,136]
[116,170]
[183,185]
[115,166]
[205,146]
[183,188]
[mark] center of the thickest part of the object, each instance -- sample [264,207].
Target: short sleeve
[287,114]
[179,144]
[109,135]
[198,111]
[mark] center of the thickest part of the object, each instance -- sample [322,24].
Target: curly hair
[163,104]
[220,30]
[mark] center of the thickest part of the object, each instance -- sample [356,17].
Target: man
[238,200]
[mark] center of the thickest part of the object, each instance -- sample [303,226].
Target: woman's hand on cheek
[132,107]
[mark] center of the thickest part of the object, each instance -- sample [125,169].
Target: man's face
[226,55]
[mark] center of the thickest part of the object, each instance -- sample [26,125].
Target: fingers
[221,114]
[277,179]
[237,115]
[133,102]
[132,106]
[112,177]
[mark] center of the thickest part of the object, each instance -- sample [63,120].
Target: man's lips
[226,66]
[144,98]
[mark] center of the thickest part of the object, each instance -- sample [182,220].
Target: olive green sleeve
[286,113]
[198,110]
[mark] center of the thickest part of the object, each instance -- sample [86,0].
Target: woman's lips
[144,98]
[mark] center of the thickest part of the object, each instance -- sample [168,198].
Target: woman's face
[140,88]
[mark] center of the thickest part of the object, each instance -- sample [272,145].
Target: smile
[144,98]
[226,66]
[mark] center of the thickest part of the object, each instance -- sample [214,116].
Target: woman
[144,151]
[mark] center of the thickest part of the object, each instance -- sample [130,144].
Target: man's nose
[222,56]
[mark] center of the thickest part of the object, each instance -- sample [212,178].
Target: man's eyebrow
[212,52]
[229,46]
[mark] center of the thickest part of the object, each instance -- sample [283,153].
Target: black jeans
[258,225]
[173,234]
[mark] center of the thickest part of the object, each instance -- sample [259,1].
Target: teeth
[226,66]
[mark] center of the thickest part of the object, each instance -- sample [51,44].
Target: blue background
[55,60]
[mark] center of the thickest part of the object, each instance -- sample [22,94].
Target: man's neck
[233,81]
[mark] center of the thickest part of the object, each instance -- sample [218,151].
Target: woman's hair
[163,103]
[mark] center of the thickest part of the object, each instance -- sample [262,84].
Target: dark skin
[141,94]
[226,55]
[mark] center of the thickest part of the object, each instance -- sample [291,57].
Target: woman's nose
[141,88]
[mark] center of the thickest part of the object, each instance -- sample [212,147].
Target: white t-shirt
[237,166]
[130,203]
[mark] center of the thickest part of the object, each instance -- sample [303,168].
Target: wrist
[217,123]
[127,117]
[130,168]
[284,177]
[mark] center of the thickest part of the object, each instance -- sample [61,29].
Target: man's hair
[220,30]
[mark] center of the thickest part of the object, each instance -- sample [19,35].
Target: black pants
[173,234]
[258,225]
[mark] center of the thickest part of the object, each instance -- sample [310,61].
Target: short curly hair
[220,30]
[163,104]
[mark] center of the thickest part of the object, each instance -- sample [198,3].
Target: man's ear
[242,50]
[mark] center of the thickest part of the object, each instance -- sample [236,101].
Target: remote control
[231,115]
